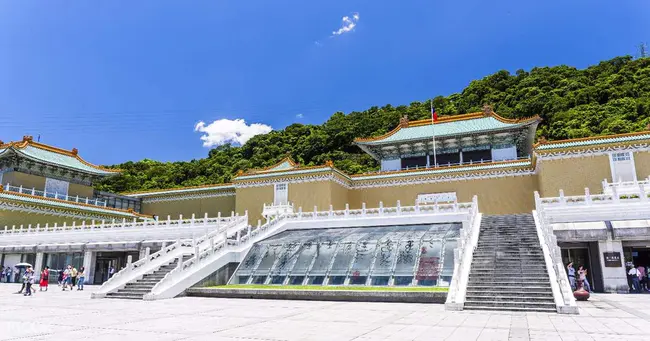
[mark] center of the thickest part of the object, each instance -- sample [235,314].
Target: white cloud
[347,24]
[224,131]
[300,116]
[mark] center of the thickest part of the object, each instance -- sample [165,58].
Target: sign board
[612,259]
[436,197]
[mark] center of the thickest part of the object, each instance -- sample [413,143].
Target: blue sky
[126,80]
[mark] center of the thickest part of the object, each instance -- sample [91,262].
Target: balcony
[273,210]
[53,195]
[625,187]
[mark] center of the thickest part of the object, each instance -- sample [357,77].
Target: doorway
[580,257]
[105,260]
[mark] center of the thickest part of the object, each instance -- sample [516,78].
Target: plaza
[57,315]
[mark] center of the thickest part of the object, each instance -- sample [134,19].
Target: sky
[167,80]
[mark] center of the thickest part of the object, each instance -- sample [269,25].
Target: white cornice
[593,151]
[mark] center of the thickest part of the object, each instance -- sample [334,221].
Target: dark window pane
[412,162]
[337,280]
[380,280]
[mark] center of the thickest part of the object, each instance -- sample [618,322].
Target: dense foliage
[609,98]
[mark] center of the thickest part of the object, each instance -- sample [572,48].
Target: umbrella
[23,265]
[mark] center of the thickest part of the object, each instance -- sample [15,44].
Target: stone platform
[323,295]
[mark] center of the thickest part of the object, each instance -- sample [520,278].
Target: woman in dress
[45,278]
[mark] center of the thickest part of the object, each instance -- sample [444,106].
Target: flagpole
[433,127]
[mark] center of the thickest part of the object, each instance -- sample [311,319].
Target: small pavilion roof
[40,152]
[448,126]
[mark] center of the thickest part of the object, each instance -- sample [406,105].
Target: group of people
[581,280]
[68,278]
[638,278]
[8,275]
[71,277]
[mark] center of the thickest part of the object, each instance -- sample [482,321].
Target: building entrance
[105,260]
[580,257]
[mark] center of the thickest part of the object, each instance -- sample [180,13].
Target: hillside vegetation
[609,98]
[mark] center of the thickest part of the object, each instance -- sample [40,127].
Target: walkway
[57,315]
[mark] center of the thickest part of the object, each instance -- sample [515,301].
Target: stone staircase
[136,290]
[508,269]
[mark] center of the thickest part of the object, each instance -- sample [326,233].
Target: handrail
[638,194]
[549,241]
[463,255]
[124,224]
[448,164]
[54,195]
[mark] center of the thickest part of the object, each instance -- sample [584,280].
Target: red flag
[434,114]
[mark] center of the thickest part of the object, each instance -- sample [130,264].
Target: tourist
[45,278]
[60,279]
[74,274]
[29,280]
[81,277]
[572,275]
[582,273]
[111,271]
[640,270]
[66,278]
[634,275]
[9,270]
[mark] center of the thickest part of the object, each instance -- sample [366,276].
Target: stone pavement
[57,315]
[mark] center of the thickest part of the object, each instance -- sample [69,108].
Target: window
[281,196]
[56,187]
[622,166]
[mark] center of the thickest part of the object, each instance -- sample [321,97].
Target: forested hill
[608,98]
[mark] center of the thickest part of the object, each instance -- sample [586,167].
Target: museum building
[590,192]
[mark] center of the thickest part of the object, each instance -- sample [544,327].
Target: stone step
[504,279]
[129,290]
[510,298]
[513,305]
[512,291]
[124,296]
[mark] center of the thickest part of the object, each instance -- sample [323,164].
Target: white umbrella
[23,265]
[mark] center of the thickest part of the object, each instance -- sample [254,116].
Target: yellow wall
[310,194]
[253,199]
[14,218]
[573,175]
[199,207]
[340,196]
[25,180]
[80,190]
[642,165]
[495,196]
[38,182]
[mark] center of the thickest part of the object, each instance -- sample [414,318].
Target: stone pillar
[614,278]
[89,266]
[38,266]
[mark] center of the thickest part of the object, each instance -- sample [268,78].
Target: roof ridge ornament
[75,151]
[28,138]
[404,121]
[487,110]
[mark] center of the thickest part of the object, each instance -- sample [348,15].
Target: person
[9,270]
[572,275]
[45,278]
[640,270]
[582,272]
[111,271]
[81,277]
[74,273]
[29,280]
[66,278]
[634,275]
[60,279]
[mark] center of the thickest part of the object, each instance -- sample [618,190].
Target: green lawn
[320,287]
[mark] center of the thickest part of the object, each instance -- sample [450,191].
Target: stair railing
[463,255]
[549,243]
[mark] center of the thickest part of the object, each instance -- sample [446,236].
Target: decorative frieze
[294,180]
[592,151]
[39,209]
[189,196]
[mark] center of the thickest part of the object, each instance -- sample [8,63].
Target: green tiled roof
[60,159]
[443,129]
[282,166]
[594,141]
[64,205]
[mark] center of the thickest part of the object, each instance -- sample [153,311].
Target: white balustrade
[54,195]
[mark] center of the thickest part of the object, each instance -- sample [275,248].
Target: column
[460,157]
[38,266]
[89,266]
[614,277]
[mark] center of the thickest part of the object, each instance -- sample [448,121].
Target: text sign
[612,259]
